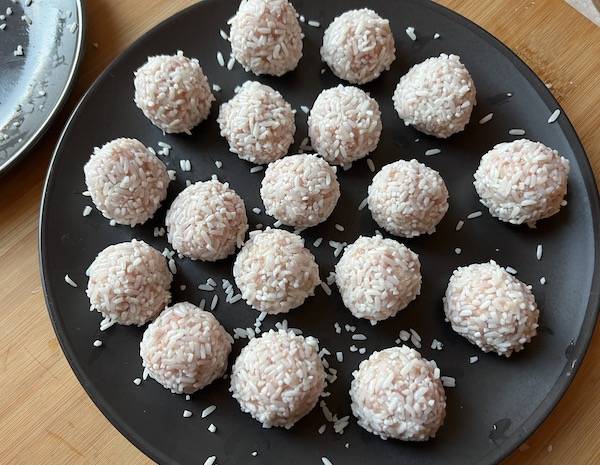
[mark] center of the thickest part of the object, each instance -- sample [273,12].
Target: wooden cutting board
[45,415]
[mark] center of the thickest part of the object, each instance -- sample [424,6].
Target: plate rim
[581,344]
[20,154]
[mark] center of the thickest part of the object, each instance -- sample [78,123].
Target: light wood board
[45,415]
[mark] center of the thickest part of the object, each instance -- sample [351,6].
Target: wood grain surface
[45,415]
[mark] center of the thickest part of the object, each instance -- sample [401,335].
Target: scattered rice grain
[208,410]
[448,381]
[371,165]
[69,281]
[554,116]
[363,204]
[486,118]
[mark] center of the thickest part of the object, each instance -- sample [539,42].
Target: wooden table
[45,415]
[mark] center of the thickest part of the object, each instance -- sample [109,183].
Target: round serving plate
[496,403]
[34,84]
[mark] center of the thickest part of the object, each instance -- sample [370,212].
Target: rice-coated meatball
[257,123]
[275,272]
[436,96]
[185,349]
[173,92]
[278,378]
[358,46]
[129,283]
[522,181]
[344,124]
[378,277]
[300,190]
[491,308]
[207,221]
[407,198]
[398,394]
[126,182]
[266,37]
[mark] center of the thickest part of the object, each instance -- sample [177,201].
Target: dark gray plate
[497,402]
[33,86]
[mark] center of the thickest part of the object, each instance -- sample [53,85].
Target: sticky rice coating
[398,394]
[344,124]
[278,378]
[358,46]
[257,123]
[407,198]
[300,190]
[436,96]
[378,277]
[266,37]
[185,349]
[491,308]
[126,182]
[207,221]
[129,283]
[173,92]
[522,181]
[275,272]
